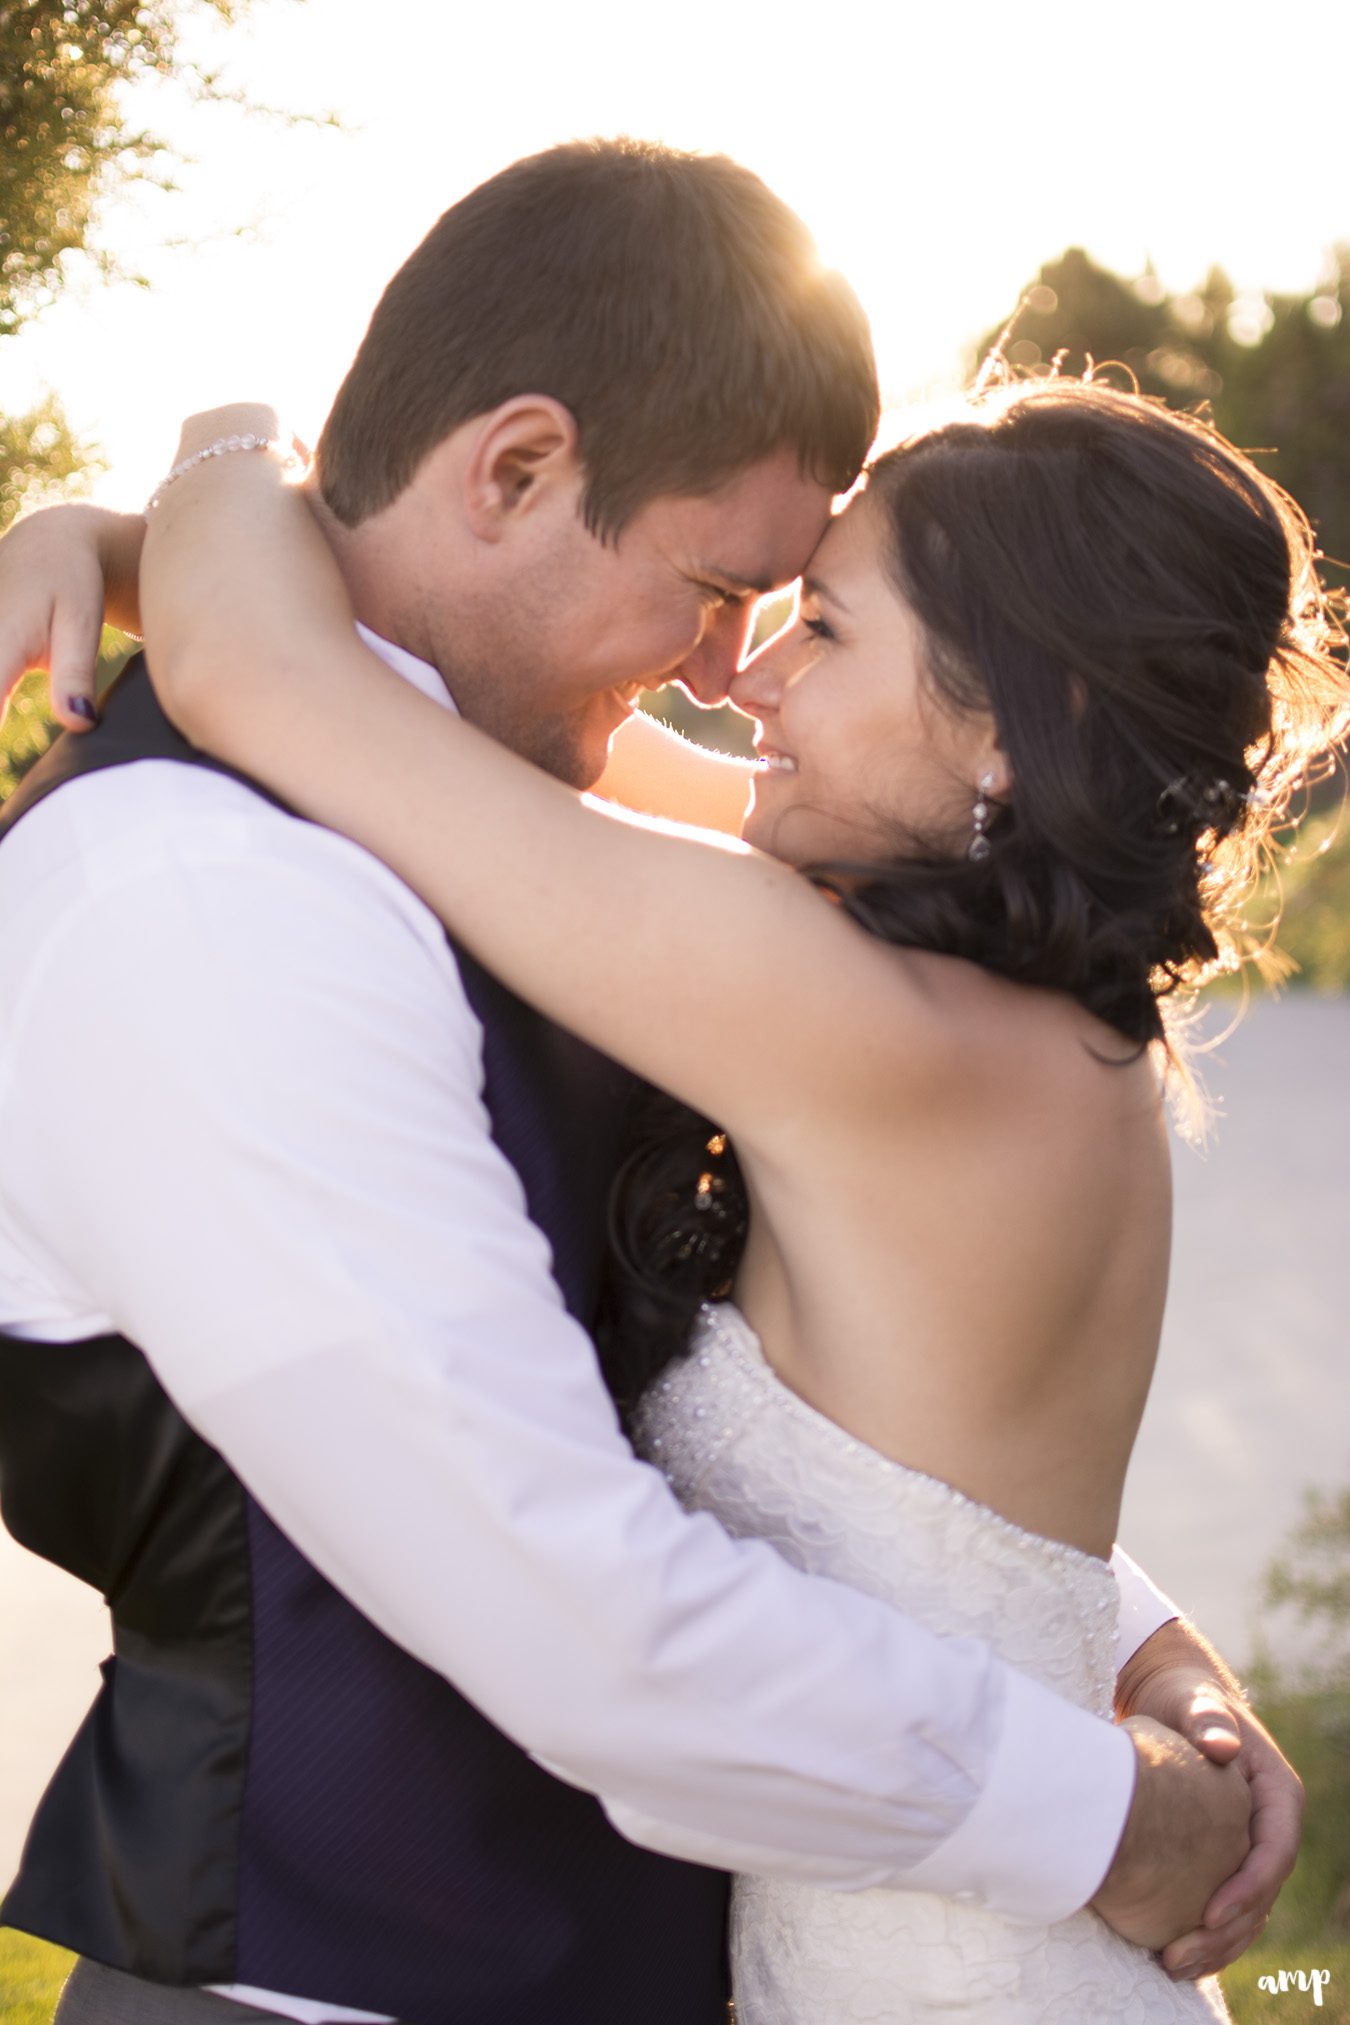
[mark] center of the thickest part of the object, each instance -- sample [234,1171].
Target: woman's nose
[758,685]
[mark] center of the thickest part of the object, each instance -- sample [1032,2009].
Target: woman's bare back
[974,1283]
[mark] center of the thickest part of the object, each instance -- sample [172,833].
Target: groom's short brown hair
[670,301]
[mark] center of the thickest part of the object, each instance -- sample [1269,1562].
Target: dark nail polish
[80,706]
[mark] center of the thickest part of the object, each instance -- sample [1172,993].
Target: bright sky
[940,154]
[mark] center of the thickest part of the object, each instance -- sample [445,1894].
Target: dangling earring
[979,843]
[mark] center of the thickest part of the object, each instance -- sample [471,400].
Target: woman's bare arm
[710,969]
[656,771]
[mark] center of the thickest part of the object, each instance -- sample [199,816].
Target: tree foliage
[1311,1580]
[64,136]
[1273,369]
[65,143]
[38,457]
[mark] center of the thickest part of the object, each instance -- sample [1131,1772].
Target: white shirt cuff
[1143,1606]
[1046,1826]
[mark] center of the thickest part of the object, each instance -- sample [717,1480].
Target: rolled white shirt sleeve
[240,1098]
[1144,1608]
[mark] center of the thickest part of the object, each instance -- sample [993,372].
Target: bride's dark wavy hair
[1139,608]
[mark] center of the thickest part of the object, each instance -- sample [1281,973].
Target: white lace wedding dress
[734,1440]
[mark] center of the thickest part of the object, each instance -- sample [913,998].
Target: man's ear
[521,454]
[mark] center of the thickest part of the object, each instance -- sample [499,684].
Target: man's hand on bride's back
[59,569]
[1188,1830]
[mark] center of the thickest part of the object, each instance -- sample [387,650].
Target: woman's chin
[754,827]
[761,830]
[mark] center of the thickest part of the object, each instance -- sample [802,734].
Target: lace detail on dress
[734,1440]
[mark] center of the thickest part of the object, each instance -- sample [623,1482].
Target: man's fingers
[1277,1819]
[1252,1890]
[1208,1722]
[1217,1741]
[77,628]
[1209,1949]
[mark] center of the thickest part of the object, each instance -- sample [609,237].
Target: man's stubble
[502,699]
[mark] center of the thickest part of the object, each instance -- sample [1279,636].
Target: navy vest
[268,1791]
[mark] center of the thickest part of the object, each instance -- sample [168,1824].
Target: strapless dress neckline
[723,1324]
[735,1440]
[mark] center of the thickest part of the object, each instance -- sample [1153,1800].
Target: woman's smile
[854,755]
[772,760]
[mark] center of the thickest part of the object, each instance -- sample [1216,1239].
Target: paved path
[1252,1397]
[1250,1403]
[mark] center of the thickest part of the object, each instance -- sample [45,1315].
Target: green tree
[1273,369]
[1309,1584]
[38,455]
[1309,891]
[66,142]
[1301,1684]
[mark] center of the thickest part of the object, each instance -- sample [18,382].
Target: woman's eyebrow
[815,587]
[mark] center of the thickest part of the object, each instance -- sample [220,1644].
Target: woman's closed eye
[821,628]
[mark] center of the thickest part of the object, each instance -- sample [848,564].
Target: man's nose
[707,672]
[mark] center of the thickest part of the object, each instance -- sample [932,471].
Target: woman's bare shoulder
[1001,1040]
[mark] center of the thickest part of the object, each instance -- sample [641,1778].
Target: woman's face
[858,751]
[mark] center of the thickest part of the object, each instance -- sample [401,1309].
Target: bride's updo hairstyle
[1139,608]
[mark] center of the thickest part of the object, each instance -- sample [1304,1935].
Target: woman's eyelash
[822,628]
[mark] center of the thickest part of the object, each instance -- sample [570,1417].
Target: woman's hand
[217,426]
[64,570]
[214,425]
[234,564]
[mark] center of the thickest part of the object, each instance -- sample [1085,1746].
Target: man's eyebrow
[815,588]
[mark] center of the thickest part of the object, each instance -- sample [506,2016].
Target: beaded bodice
[734,1440]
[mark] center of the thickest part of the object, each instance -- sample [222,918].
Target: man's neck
[420,673]
[372,579]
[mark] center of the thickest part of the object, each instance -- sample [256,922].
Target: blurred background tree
[67,145]
[1307,1587]
[1300,1683]
[1273,369]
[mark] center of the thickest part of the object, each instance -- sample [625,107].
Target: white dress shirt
[241,1112]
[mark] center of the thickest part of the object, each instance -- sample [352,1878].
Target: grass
[1251,2005]
[1309,1928]
[31,1975]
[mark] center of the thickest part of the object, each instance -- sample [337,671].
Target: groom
[284,1370]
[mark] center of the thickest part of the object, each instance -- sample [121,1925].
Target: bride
[892,1264]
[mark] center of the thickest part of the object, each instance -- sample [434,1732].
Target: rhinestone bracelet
[220,448]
